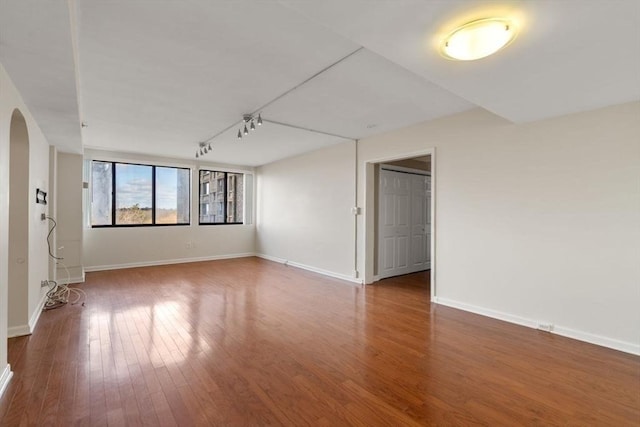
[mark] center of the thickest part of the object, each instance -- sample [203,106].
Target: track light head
[239,134]
[246,131]
[253,126]
[259,120]
[209,147]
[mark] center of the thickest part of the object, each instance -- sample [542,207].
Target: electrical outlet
[547,327]
[43,217]
[44,283]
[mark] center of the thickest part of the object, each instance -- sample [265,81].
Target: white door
[419,240]
[394,223]
[403,223]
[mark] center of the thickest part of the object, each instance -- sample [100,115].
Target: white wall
[536,222]
[106,248]
[53,200]
[304,210]
[38,229]
[10,99]
[69,218]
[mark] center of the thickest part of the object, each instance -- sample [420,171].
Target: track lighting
[248,124]
[203,148]
[251,121]
[248,119]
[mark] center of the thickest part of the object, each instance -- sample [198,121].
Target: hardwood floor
[250,342]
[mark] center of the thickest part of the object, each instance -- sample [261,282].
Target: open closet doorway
[403,217]
[404,225]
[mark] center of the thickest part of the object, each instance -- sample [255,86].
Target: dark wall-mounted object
[41,196]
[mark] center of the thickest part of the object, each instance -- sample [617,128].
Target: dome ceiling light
[478,39]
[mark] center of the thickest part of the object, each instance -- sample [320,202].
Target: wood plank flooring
[248,342]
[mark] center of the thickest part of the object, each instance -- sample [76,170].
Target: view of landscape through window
[136,202]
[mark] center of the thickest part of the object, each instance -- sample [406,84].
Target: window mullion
[225,197]
[153,195]
[113,193]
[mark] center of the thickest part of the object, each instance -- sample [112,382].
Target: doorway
[18,265]
[371,244]
[404,230]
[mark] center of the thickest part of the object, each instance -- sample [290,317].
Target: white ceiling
[158,77]
[36,50]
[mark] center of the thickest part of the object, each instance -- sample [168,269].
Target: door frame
[370,214]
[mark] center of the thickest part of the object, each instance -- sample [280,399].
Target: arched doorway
[18,265]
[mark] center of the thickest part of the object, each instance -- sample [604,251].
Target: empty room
[336,212]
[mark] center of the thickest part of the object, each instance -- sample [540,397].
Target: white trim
[310,268]
[627,347]
[486,312]
[432,257]
[36,314]
[18,331]
[166,262]
[5,377]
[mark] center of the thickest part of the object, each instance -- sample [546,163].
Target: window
[133,195]
[124,194]
[102,188]
[221,197]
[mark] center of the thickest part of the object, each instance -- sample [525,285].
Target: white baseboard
[5,377]
[18,331]
[36,314]
[627,347]
[165,262]
[310,268]
[22,330]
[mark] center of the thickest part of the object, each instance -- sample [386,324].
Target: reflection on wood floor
[251,342]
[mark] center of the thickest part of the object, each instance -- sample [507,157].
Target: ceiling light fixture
[203,148]
[478,39]
[251,120]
